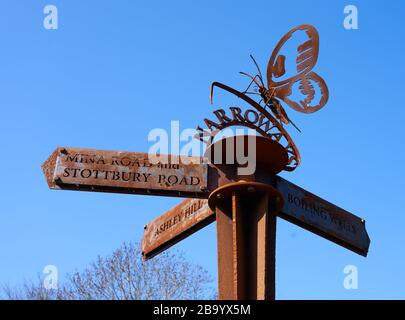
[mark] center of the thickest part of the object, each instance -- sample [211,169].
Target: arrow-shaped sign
[300,207]
[176,224]
[126,172]
[323,218]
[136,173]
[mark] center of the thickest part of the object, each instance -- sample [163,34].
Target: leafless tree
[124,276]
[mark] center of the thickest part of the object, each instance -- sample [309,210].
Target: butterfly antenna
[294,125]
[258,69]
[251,77]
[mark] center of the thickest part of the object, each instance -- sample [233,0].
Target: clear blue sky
[114,70]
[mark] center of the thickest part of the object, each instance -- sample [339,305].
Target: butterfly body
[273,104]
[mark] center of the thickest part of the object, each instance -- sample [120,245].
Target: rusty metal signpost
[176,224]
[125,172]
[244,205]
[300,207]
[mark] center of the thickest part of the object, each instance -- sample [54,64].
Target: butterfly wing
[296,77]
[306,88]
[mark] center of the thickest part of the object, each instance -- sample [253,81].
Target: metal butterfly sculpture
[276,90]
[288,81]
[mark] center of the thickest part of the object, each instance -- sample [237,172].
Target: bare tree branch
[124,276]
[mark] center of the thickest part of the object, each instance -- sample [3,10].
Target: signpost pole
[246,231]
[246,207]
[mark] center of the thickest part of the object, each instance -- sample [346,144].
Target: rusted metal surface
[323,218]
[176,224]
[244,189]
[318,216]
[266,125]
[244,206]
[246,224]
[267,158]
[226,272]
[245,230]
[305,60]
[125,172]
[295,87]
